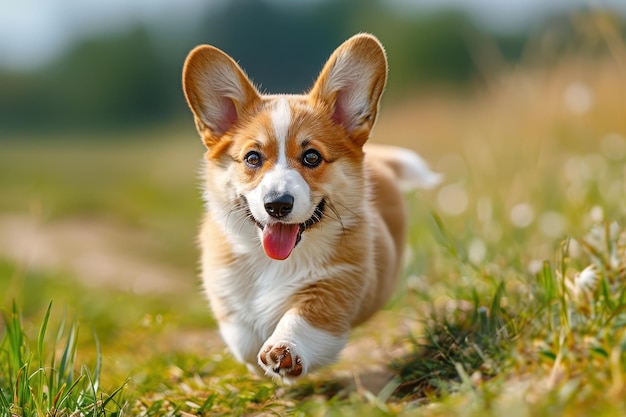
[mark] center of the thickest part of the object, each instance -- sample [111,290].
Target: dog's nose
[278,205]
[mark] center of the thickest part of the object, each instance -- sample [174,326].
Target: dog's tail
[410,169]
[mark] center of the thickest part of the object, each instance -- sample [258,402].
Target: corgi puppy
[304,228]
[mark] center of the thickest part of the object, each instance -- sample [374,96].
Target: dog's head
[284,161]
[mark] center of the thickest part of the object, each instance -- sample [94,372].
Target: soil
[96,253]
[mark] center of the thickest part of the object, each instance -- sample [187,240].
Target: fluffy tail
[410,168]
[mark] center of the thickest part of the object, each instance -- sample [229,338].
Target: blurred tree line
[128,79]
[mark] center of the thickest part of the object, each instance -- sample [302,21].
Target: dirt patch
[94,252]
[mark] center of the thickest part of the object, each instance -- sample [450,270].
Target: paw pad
[280,360]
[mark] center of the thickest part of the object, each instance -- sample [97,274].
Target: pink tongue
[279,239]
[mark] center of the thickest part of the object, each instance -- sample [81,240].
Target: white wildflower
[596,214]
[582,288]
[588,279]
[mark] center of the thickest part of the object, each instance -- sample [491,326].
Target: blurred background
[520,104]
[74,67]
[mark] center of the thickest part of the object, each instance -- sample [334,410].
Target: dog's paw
[281,360]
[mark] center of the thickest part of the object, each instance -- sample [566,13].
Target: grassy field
[511,303]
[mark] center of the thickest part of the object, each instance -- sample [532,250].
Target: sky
[34,32]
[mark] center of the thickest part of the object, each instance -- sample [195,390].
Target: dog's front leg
[297,346]
[314,329]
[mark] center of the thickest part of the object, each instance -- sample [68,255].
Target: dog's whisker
[352,212]
[230,210]
[245,217]
[335,213]
[336,216]
[242,222]
[236,215]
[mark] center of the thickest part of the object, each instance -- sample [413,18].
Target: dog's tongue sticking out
[279,239]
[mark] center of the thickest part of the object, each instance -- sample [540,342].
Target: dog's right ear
[218,92]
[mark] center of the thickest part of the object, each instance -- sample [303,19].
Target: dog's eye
[311,158]
[253,159]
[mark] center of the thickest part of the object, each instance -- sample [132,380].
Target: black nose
[278,205]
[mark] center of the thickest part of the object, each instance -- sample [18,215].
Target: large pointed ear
[351,84]
[217,90]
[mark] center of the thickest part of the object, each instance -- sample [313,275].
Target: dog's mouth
[279,239]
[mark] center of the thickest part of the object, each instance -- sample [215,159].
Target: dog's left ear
[351,84]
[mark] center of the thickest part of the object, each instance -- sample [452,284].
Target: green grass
[45,379]
[562,344]
[498,312]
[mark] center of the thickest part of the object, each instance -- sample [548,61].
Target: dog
[305,226]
